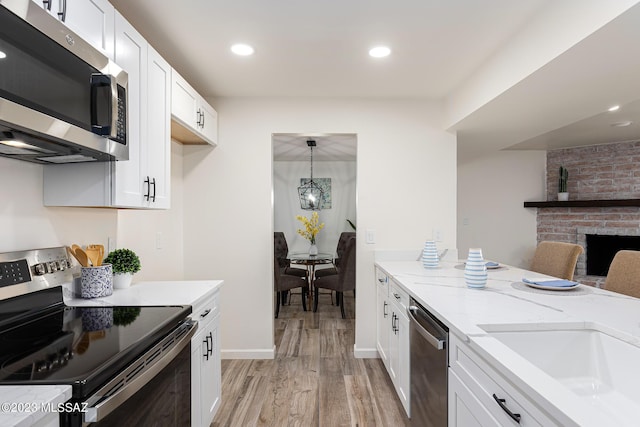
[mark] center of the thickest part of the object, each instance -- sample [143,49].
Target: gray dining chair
[342,244]
[286,282]
[344,281]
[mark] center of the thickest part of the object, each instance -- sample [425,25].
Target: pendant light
[311,195]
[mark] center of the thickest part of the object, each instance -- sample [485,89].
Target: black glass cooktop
[80,346]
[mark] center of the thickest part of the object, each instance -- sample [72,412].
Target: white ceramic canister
[430,257]
[475,269]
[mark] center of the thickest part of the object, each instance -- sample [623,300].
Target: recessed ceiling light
[614,108]
[621,124]
[242,49]
[2,55]
[379,51]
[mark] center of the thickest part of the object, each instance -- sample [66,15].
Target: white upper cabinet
[194,120]
[93,20]
[143,181]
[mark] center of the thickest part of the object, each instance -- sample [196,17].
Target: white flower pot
[563,197]
[122,280]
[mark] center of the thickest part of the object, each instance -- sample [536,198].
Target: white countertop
[24,406]
[142,294]
[189,292]
[443,292]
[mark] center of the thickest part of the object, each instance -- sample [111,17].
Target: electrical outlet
[159,240]
[437,235]
[465,221]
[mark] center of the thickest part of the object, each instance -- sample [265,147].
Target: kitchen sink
[594,365]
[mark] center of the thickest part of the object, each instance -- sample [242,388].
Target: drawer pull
[381,280]
[514,417]
[205,313]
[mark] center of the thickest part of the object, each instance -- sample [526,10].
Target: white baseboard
[249,354]
[365,353]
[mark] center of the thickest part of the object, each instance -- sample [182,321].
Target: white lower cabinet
[479,395]
[205,363]
[393,335]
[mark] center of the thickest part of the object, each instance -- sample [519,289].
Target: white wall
[157,235]
[26,224]
[286,179]
[406,177]
[491,192]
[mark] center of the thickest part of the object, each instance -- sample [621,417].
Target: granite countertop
[39,398]
[507,301]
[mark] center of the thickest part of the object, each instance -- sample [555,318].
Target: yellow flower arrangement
[311,227]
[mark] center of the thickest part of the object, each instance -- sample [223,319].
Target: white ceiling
[319,48]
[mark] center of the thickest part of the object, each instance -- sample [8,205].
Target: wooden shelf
[584,203]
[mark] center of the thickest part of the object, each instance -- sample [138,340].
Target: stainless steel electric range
[126,365]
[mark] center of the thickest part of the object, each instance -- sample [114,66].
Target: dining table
[310,262]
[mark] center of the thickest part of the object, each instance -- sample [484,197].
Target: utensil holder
[96,282]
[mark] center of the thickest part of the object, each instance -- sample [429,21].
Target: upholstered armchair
[344,281]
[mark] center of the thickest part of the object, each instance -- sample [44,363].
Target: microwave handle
[111,128]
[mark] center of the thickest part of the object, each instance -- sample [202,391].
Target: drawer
[399,295]
[206,309]
[485,383]
[382,281]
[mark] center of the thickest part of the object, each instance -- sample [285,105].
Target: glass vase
[313,249]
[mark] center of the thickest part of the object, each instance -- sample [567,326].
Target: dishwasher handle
[437,342]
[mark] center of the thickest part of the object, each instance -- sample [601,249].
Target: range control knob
[53,266]
[39,269]
[62,264]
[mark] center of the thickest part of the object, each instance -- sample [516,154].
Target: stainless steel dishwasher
[429,363]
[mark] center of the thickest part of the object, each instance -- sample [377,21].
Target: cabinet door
[93,20]
[404,361]
[184,101]
[210,375]
[464,410]
[394,346]
[209,122]
[383,326]
[158,138]
[131,55]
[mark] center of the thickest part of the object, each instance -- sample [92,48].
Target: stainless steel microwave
[61,100]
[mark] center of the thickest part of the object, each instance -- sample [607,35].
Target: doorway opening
[334,167]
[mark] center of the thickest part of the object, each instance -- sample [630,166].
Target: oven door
[153,390]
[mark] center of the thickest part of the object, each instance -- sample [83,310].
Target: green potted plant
[124,263]
[562,184]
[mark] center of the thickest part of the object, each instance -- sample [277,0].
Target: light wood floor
[314,379]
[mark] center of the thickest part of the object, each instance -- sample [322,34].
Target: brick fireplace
[598,172]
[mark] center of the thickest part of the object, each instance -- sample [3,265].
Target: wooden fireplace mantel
[585,203]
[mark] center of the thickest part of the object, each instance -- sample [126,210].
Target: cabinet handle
[394,327]
[153,198]
[501,402]
[384,309]
[396,295]
[207,311]
[211,339]
[146,196]
[202,119]
[381,280]
[46,4]
[63,15]
[206,351]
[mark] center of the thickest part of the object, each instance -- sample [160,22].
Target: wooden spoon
[82,257]
[100,250]
[93,255]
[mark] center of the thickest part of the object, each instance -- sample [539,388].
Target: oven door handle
[97,411]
